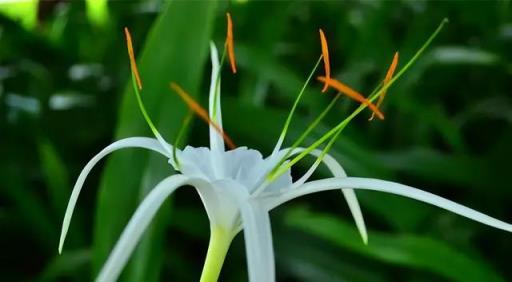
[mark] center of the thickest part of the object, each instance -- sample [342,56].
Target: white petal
[349,194]
[215,88]
[245,166]
[214,106]
[137,225]
[220,206]
[216,139]
[138,142]
[258,242]
[196,162]
[388,187]
[257,235]
[166,147]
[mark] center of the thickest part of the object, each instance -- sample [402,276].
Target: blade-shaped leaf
[407,250]
[175,50]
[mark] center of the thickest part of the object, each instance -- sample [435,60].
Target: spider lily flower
[239,187]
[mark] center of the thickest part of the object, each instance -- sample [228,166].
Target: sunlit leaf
[56,176]
[97,11]
[24,11]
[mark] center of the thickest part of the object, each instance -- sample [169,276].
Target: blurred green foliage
[64,96]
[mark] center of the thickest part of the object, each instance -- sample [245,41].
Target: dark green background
[64,95]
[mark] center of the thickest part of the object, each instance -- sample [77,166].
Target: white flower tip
[61,244]
[65,226]
[212,46]
[364,235]
[62,239]
[214,55]
[365,239]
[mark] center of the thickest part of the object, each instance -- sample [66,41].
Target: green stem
[220,240]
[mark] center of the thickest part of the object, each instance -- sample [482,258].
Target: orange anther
[325,55]
[131,54]
[342,88]
[387,78]
[201,112]
[230,45]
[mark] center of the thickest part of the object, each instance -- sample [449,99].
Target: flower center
[245,166]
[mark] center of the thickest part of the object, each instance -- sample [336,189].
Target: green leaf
[56,176]
[311,262]
[400,249]
[175,50]
[30,212]
[23,11]
[97,11]
[66,265]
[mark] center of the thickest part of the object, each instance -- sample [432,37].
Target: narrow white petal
[277,147]
[137,142]
[349,194]
[214,108]
[167,148]
[216,141]
[388,187]
[138,224]
[257,233]
[258,242]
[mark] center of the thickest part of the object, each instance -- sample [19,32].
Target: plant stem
[220,240]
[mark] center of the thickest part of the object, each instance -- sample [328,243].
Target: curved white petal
[388,187]
[257,234]
[138,224]
[166,147]
[132,142]
[219,204]
[349,194]
[337,171]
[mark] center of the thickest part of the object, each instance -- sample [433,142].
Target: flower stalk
[220,240]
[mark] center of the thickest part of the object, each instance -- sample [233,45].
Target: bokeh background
[64,95]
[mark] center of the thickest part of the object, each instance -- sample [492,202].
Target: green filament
[179,138]
[334,132]
[142,108]
[306,133]
[297,100]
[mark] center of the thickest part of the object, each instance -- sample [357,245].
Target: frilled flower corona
[239,186]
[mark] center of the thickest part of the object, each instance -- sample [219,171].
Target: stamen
[325,55]
[229,44]
[137,87]
[303,136]
[295,105]
[337,129]
[351,93]
[201,112]
[387,78]
[179,138]
[132,57]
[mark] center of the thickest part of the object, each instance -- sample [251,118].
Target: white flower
[238,189]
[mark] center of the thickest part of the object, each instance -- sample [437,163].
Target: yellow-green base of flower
[220,240]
